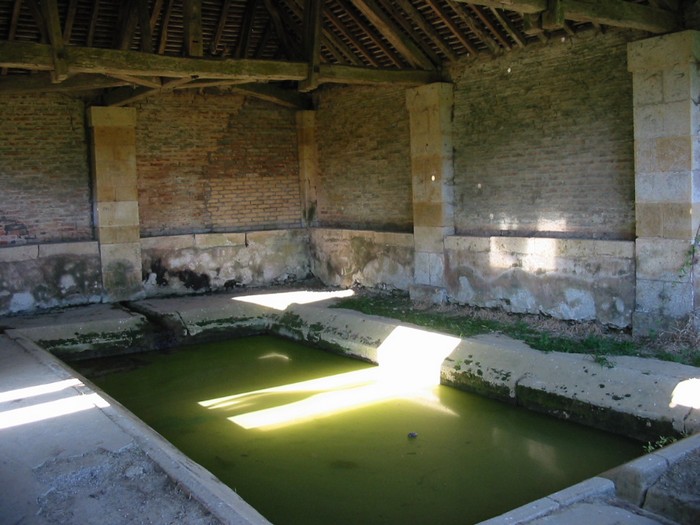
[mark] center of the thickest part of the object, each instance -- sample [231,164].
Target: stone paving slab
[71,454]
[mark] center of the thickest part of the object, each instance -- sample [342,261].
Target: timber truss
[279,50]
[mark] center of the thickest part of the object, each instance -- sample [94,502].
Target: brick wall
[44,172]
[544,141]
[364,156]
[215,164]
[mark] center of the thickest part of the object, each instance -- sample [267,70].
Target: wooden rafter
[419,20]
[503,39]
[509,27]
[194,40]
[341,28]
[330,42]
[377,40]
[616,13]
[405,24]
[454,28]
[37,57]
[223,17]
[490,43]
[246,30]
[16,9]
[403,44]
[311,42]
[165,23]
[38,15]
[144,17]
[280,24]
[128,21]
[70,20]
[54,31]
[41,83]
[93,23]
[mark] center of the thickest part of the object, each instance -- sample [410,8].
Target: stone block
[215,240]
[426,294]
[648,88]
[123,213]
[678,221]
[121,270]
[118,234]
[19,253]
[633,479]
[467,244]
[666,187]
[672,301]
[663,259]
[649,219]
[429,268]
[99,116]
[678,83]
[663,52]
[89,248]
[674,153]
[429,239]
[169,243]
[431,214]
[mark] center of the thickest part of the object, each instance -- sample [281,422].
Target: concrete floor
[71,454]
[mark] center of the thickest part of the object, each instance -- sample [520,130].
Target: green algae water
[307,437]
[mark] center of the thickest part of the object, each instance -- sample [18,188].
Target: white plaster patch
[466,292]
[579,305]
[67,282]
[22,301]
[522,301]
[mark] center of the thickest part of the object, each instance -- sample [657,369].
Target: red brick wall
[214,164]
[543,141]
[44,171]
[364,157]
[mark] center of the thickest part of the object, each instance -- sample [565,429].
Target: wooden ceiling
[279,49]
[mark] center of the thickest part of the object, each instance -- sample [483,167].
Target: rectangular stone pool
[309,437]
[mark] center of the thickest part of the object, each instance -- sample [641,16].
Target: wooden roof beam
[223,16]
[509,27]
[519,6]
[367,30]
[37,57]
[280,25]
[311,42]
[41,83]
[403,44]
[163,39]
[194,41]
[418,19]
[54,31]
[489,42]
[616,13]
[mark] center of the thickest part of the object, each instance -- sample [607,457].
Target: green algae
[442,457]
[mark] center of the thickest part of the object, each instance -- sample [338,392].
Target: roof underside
[370,36]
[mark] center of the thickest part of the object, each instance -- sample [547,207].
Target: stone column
[115,198]
[666,120]
[430,112]
[308,164]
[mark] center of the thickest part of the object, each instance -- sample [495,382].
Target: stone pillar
[667,187]
[430,112]
[308,164]
[115,198]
